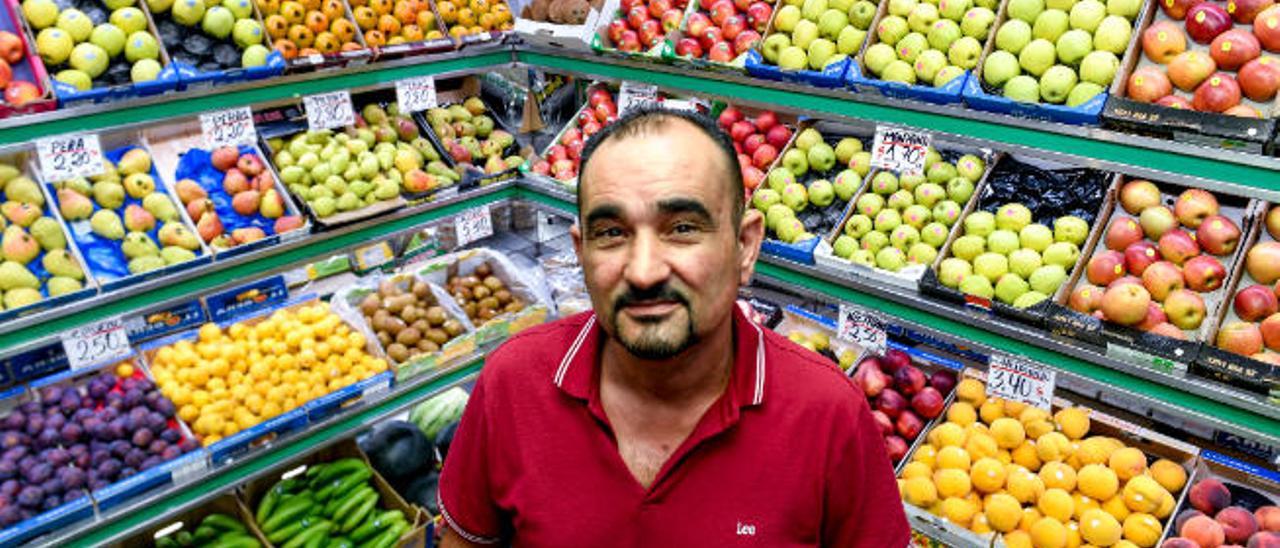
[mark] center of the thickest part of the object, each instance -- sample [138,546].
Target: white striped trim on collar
[573,350]
[453,525]
[759,393]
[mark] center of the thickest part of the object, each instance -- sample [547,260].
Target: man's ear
[575,232]
[750,235]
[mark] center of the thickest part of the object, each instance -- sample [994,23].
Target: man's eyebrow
[603,212]
[675,206]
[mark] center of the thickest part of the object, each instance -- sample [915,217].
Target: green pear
[8,172]
[107,224]
[59,262]
[109,173]
[59,285]
[138,244]
[139,185]
[20,297]
[174,255]
[23,189]
[175,234]
[109,195]
[145,264]
[14,275]
[49,233]
[78,184]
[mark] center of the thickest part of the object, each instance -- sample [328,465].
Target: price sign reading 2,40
[1016,379]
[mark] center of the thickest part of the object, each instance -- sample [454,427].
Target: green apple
[108,37]
[1086,15]
[874,241]
[41,14]
[1012,216]
[764,198]
[1023,262]
[117,4]
[246,32]
[1048,278]
[980,223]
[858,225]
[1022,88]
[850,40]
[891,259]
[779,178]
[1099,67]
[793,58]
[970,167]
[928,194]
[156,6]
[1037,57]
[929,63]
[968,247]
[842,5]
[1056,83]
[870,204]
[1082,93]
[241,9]
[891,29]
[217,22]
[946,212]
[796,162]
[54,45]
[946,75]
[921,253]
[887,220]
[1063,254]
[813,9]
[776,214]
[821,193]
[1002,241]
[1061,5]
[1013,35]
[910,182]
[1112,34]
[789,230]
[1050,25]
[806,32]
[977,23]
[845,150]
[965,52]
[1036,237]
[901,8]
[141,45]
[75,78]
[978,286]
[900,71]
[940,172]
[916,216]
[863,257]
[954,9]
[188,12]
[991,265]
[1009,287]
[130,20]
[772,47]
[145,70]
[1025,10]
[786,19]
[1029,299]
[795,197]
[1073,45]
[910,46]
[847,181]
[90,59]
[904,236]
[922,17]
[952,270]
[943,33]
[861,14]
[831,22]
[1070,229]
[1124,8]
[75,23]
[1000,67]
[884,183]
[256,56]
[959,189]
[821,157]
[861,163]
[900,200]
[844,246]
[806,139]
[878,56]
[934,234]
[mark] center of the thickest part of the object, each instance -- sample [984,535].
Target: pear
[18,246]
[20,297]
[109,173]
[222,242]
[108,194]
[474,105]
[8,171]
[503,138]
[174,255]
[145,264]
[59,285]
[494,165]
[49,234]
[175,234]
[139,185]
[138,219]
[73,205]
[188,190]
[23,189]
[78,184]
[134,162]
[272,205]
[160,207]
[459,113]
[138,244]
[59,262]
[19,213]
[15,275]
[106,223]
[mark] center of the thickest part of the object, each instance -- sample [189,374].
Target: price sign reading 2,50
[96,343]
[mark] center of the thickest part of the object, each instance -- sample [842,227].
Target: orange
[426,19]
[466,17]
[412,33]
[382,7]
[406,12]
[293,12]
[479,6]
[448,12]
[389,25]
[344,29]
[365,17]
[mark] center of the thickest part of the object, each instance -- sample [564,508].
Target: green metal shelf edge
[1012,346]
[217,482]
[1206,168]
[184,106]
[245,271]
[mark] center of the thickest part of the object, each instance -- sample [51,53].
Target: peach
[1268,518]
[1183,517]
[1204,531]
[1209,496]
[1264,539]
[1237,523]
[1179,542]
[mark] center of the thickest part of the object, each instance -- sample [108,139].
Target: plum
[83,414]
[27,462]
[8,469]
[58,456]
[128,472]
[139,415]
[11,440]
[10,488]
[171,452]
[135,457]
[144,384]
[133,398]
[109,469]
[143,438]
[73,478]
[70,402]
[157,423]
[51,393]
[165,408]
[15,420]
[30,496]
[30,408]
[55,422]
[53,486]
[98,389]
[119,449]
[72,432]
[50,502]
[188,445]
[35,423]
[108,414]
[10,515]
[47,438]
[38,473]
[15,453]
[151,462]
[171,435]
[117,428]
[157,447]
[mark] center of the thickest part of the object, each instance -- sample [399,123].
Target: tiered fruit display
[643,24]
[1152,274]
[758,142]
[298,28]
[483,295]
[927,43]
[1255,331]
[218,37]
[215,528]
[16,91]
[84,47]
[407,319]
[226,380]
[1188,75]
[1008,257]
[36,261]
[785,199]
[562,159]
[814,34]
[902,397]
[473,17]
[720,30]
[134,228]
[1214,519]
[471,137]
[245,198]
[1038,480]
[333,504]
[387,24]
[906,220]
[86,435]
[1059,51]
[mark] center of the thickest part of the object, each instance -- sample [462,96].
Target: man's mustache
[662,292]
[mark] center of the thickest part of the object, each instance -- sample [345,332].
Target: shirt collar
[576,374]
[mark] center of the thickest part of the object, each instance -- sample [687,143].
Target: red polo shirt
[788,456]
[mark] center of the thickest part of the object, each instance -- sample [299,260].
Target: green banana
[346,484]
[339,506]
[320,530]
[273,496]
[315,469]
[350,505]
[167,542]
[235,540]
[289,510]
[293,529]
[361,512]
[340,467]
[223,522]
[205,533]
[376,524]
[389,537]
[341,542]
[183,537]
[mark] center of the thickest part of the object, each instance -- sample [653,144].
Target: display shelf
[122,521]
[1206,167]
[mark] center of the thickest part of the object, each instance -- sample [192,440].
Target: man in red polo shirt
[665,417]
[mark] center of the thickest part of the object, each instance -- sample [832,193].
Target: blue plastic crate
[1083,115]
[68,95]
[832,76]
[800,252]
[950,93]
[191,78]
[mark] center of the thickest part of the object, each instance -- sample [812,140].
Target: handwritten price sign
[329,110]
[416,94]
[231,127]
[1016,379]
[862,328]
[900,150]
[633,95]
[473,224]
[70,156]
[95,344]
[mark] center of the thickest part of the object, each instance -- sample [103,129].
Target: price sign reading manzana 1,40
[900,150]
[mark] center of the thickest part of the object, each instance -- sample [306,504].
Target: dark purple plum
[11,440]
[119,449]
[53,486]
[10,488]
[15,420]
[128,472]
[188,445]
[72,478]
[55,422]
[151,462]
[109,470]
[8,469]
[27,462]
[118,428]
[58,456]
[72,432]
[35,423]
[135,457]
[128,383]
[98,389]
[52,393]
[171,452]
[82,414]
[30,496]
[10,515]
[108,414]
[165,407]
[143,438]
[143,384]
[157,447]
[47,438]
[38,473]
[134,397]
[50,502]
[70,402]
[30,408]
[99,456]
[171,435]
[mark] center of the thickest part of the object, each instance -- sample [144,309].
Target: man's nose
[647,264]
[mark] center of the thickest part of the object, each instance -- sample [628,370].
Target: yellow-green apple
[1155,316]
[1193,205]
[1242,338]
[1189,68]
[1263,262]
[1204,273]
[1156,220]
[1085,299]
[1217,94]
[1177,246]
[1148,84]
[1105,267]
[1125,304]
[1185,309]
[1122,232]
[1255,302]
[1139,194]
[1168,330]
[1161,279]
[1218,235]
[1270,329]
[1273,222]
[1140,255]
[1162,41]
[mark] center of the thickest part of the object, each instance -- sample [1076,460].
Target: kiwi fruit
[484,270]
[452,327]
[406,318]
[398,352]
[437,335]
[370,304]
[482,295]
[408,336]
[435,315]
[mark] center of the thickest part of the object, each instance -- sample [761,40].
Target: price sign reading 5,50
[70,156]
[900,150]
[231,127]
[95,344]
[1016,379]
[329,110]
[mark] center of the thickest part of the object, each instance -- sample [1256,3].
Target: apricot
[1097,481]
[953,457]
[1170,475]
[1026,456]
[1115,506]
[1017,539]
[326,42]
[1099,528]
[1008,433]
[920,491]
[1073,422]
[365,17]
[1029,518]
[1082,502]
[1058,475]
[1048,533]
[1053,446]
[293,12]
[1025,486]
[961,413]
[925,453]
[1057,504]
[1143,494]
[1127,463]
[917,469]
[1003,512]
[343,29]
[317,22]
[987,475]
[958,510]
[980,445]
[333,9]
[952,482]
[389,25]
[276,25]
[1203,531]
[302,36]
[947,434]
[991,410]
[1142,529]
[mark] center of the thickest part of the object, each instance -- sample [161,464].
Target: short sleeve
[862,507]
[466,491]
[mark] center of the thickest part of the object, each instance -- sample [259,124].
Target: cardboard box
[226,504]
[547,34]
[1251,486]
[734,66]
[601,44]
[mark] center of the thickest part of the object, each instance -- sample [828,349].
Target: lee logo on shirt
[746,530]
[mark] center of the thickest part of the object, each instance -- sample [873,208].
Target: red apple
[1162,41]
[1139,255]
[891,403]
[688,47]
[1168,330]
[659,7]
[1270,329]
[766,120]
[1193,206]
[1177,9]
[1085,299]
[599,95]
[741,5]
[570,135]
[909,380]
[1122,232]
[1206,20]
[606,112]
[1263,262]
[1266,26]
[752,142]
[650,32]
[778,136]
[896,448]
[1243,111]
[732,26]
[740,130]
[1155,316]
[1241,338]
[1125,280]
[710,37]
[745,40]
[1105,267]
[764,156]
[1125,304]
[751,177]
[615,30]
[943,380]
[1260,78]
[1218,235]
[629,41]
[1161,279]
[636,16]
[1173,101]
[20,92]
[894,360]
[728,117]
[928,402]
[869,377]
[908,425]
[1139,194]
[1189,68]
[590,128]
[1245,11]
[1255,302]
[1204,273]
[721,52]
[1148,84]
[1232,49]
[759,14]
[1176,246]
[1185,309]
[698,24]
[721,11]
[626,5]
[556,153]
[671,20]
[542,167]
